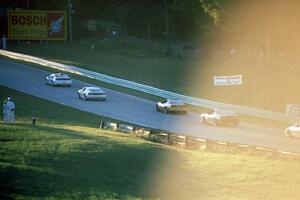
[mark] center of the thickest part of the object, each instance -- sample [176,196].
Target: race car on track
[220,117]
[58,79]
[91,93]
[293,131]
[172,106]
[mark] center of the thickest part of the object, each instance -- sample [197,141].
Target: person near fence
[11,110]
[4,42]
[5,111]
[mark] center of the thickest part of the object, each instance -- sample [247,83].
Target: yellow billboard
[37,25]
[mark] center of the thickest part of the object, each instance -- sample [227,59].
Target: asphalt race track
[137,110]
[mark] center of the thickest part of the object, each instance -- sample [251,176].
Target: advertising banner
[228,80]
[37,25]
[293,110]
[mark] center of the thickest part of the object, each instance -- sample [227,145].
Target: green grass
[69,158]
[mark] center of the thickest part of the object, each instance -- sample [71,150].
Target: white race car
[93,93]
[293,131]
[172,106]
[220,117]
[58,79]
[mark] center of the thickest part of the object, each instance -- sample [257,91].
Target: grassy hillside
[67,157]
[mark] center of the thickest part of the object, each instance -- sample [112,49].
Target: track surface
[138,110]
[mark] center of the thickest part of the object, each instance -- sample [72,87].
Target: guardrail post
[169,138]
[220,145]
[180,141]
[172,139]
[163,138]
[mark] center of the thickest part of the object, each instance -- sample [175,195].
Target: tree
[213,8]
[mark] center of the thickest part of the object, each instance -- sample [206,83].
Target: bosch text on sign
[37,25]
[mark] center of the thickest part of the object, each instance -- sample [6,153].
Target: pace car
[58,79]
[172,106]
[220,117]
[91,93]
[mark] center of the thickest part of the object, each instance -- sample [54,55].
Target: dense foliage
[164,19]
[262,25]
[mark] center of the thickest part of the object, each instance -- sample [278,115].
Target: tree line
[255,24]
[168,19]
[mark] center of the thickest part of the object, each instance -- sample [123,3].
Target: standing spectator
[5,112]
[4,41]
[11,110]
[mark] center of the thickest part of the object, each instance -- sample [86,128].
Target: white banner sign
[293,110]
[228,80]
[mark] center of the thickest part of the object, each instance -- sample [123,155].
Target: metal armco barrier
[109,125]
[193,143]
[256,112]
[125,128]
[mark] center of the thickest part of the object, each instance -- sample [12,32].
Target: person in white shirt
[5,112]
[4,42]
[11,110]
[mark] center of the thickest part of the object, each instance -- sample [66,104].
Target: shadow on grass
[7,185]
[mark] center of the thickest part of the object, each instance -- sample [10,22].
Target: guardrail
[250,111]
[193,143]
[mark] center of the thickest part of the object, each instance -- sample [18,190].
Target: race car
[172,106]
[293,131]
[220,117]
[91,93]
[58,79]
